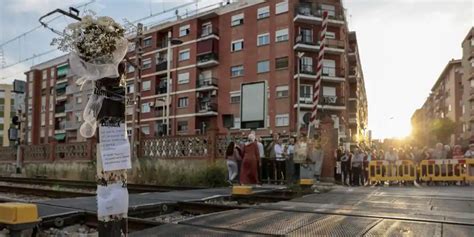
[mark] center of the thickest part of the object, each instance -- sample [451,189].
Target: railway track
[89,185]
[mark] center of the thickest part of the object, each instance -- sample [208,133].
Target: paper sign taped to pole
[112,200]
[114,147]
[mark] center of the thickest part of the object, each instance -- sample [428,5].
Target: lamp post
[171,41]
[298,108]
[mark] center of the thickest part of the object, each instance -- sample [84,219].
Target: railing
[334,43]
[207,106]
[179,147]
[314,9]
[37,153]
[206,31]
[72,125]
[332,100]
[333,71]
[7,154]
[307,69]
[305,39]
[60,108]
[161,65]
[207,57]
[74,151]
[203,82]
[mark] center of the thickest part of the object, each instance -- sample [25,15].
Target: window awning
[60,136]
[61,86]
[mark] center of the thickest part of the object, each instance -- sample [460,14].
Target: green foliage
[442,129]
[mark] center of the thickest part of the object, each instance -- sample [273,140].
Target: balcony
[208,30]
[207,83]
[206,106]
[72,107]
[325,102]
[207,60]
[161,87]
[312,13]
[329,74]
[306,43]
[72,125]
[161,65]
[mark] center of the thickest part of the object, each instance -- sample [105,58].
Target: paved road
[345,211]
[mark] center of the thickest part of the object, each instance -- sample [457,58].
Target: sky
[403,44]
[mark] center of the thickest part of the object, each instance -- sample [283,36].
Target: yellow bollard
[18,213]
[241,190]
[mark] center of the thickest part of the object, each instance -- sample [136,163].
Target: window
[183,78]
[184,30]
[236,123]
[147,42]
[281,63]
[130,68]
[51,74]
[182,102]
[145,129]
[146,63]
[263,39]
[306,35]
[463,110]
[263,66]
[235,97]
[306,93]
[472,83]
[160,57]
[329,67]
[45,74]
[282,91]
[206,29]
[237,19]
[237,45]
[130,88]
[281,35]
[146,85]
[184,55]
[329,8]
[449,108]
[182,126]
[306,64]
[263,12]
[79,100]
[329,91]
[281,7]
[43,119]
[236,71]
[146,108]
[78,116]
[330,35]
[282,120]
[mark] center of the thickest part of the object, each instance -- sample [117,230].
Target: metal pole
[137,88]
[18,152]
[168,83]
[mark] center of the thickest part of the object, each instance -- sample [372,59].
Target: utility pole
[168,83]
[298,83]
[137,83]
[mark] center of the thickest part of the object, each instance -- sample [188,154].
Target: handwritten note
[112,200]
[114,147]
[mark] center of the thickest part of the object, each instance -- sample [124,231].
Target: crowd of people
[249,161]
[353,169]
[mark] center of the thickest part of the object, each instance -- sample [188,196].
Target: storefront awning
[63,70]
[60,136]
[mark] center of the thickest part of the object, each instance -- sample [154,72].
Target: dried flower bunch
[94,39]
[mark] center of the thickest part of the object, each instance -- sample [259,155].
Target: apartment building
[219,50]
[357,108]
[467,63]
[444,101]
[7,111]
[53,105]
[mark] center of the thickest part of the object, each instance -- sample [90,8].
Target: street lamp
[298,110]
[171,41]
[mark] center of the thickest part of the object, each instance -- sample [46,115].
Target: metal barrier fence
[427,170]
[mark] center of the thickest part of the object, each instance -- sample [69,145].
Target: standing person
[289,162]
[356,164]
[345,166]
[232,155]
[316,156]
[249,172]
[470,153]
[280,160]
[448,151]
[301,154]
[457,152]
[391,156]
[261,152]
[338,169]
[439,153]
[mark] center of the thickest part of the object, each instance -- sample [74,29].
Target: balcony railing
[60,108]
[161,65]
[205,82]
[333,71]
[315,9]
[324,100]
[211,30]
[305,39]
[334,43]
[72,125]
[207,106]
[207,57]
[307,69]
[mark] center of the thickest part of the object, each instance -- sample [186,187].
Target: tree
[442,129]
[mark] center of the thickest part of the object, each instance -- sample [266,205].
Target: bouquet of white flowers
[96,46]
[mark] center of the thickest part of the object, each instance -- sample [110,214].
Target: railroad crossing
[412,210]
